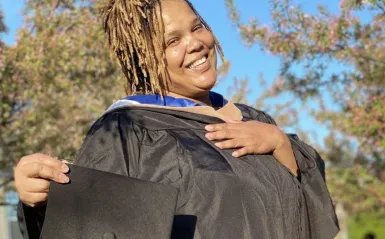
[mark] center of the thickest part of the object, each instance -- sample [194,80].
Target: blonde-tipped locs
[135,35]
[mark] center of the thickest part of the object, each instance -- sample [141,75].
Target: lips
[200,64]
[198,61]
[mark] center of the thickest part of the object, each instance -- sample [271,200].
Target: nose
[193,44]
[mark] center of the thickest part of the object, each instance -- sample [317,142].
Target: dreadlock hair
[135,35]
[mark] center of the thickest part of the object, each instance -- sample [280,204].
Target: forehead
[175,12]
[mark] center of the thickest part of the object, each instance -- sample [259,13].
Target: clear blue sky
[248,62]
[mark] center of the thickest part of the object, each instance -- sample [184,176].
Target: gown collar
[221,108]
[217,100]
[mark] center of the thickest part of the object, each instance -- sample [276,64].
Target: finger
[37,185]
[33,199]
[66,162]
[45,159]
[229,120]
[223,134]
[215,127]
[233,125]
[231,144]
[241,152]
[39,170]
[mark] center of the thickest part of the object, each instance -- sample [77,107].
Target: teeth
[198,62]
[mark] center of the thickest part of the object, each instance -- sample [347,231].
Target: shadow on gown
[183,227]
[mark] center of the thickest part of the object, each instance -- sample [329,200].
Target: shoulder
[312,157]
[122,117]
[105,146]
[111,121]
[250,113]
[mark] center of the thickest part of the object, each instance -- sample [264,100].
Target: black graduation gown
[221,196]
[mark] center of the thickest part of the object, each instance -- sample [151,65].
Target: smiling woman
[224,170]
[190,52]
[186,39]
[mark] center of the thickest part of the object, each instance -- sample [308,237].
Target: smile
[198,62]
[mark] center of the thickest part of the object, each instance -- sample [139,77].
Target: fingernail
[64,168]
[218,145]
[64,178]
[209,127]
[235,154]
[207,136]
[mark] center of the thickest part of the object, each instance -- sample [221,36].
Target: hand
[253,137]
[33,174]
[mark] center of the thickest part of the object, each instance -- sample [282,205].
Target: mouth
[200,65]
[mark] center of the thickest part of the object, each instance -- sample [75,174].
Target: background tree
[55,80]
[335,61]
[3,29]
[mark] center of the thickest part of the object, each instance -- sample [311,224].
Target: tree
[55,81]
[336,60]
[3,28]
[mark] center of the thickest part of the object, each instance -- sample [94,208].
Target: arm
[132,208]
[320,209]
[105,148]
[311,171]
[31,220]
[109,146]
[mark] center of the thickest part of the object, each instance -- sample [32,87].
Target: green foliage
[311,47]
[2,25]
[361,225]
[55,81]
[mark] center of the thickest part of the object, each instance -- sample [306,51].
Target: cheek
[174,57]
[208,39]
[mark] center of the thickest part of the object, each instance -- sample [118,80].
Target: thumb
[234,121]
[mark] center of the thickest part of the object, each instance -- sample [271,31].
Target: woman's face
[190,51]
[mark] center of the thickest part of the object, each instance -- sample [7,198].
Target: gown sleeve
[317,211]
[318,206]
[111,144]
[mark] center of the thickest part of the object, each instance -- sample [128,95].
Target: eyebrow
[171,33]
[175,32]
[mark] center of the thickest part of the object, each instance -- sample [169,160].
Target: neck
[205,99]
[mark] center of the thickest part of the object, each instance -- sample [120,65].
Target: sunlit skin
[186,42]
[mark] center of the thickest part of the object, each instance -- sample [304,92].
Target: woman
[233,168]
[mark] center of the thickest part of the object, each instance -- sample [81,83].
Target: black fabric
[251,197]
[97,203]
[184,227]
[30,220]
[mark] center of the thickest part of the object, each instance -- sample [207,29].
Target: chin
[207,80]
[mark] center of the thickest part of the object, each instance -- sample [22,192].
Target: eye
[198,27]
[173,42]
